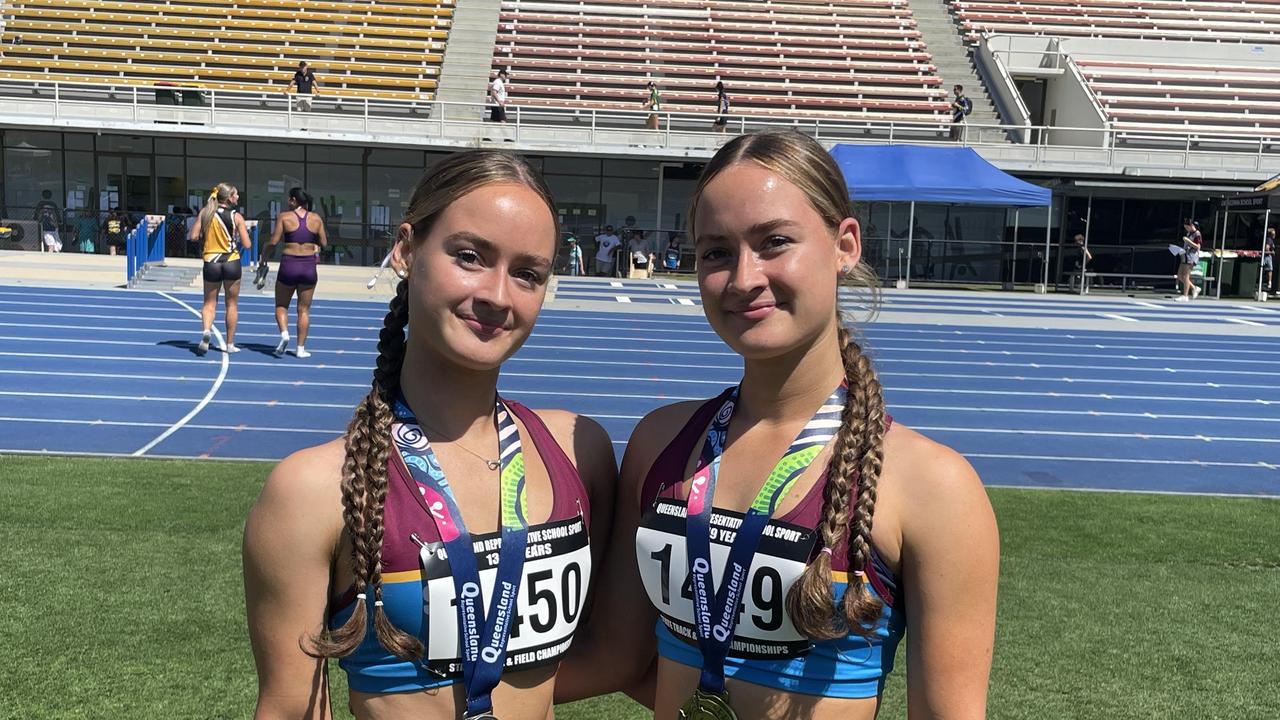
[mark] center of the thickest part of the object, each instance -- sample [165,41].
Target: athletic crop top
[219,237]
[418,594]
[302,233]
[766,650]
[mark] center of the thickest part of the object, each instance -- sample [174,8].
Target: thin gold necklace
[493,464]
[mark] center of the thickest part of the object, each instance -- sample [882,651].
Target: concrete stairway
[951,55]
[468,56]
[168,277]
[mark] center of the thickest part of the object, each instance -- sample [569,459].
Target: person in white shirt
[498,94]
[606,244]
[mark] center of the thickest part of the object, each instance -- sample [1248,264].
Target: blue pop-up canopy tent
[915,173]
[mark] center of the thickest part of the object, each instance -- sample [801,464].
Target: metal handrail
[226,108]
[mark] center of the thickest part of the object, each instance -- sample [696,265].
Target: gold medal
[705,705]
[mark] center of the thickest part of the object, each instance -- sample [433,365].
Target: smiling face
[478,278]
[767,262]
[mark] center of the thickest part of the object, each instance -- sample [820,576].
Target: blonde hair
[849,498]
[221,193]
[368,441]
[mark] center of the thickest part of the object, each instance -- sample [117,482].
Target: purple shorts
[297,270]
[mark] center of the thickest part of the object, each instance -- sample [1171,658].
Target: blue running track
[114,372]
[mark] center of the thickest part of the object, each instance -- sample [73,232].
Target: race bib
[764,629]
[549,602]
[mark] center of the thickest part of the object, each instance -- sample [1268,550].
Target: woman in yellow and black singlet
[216,227]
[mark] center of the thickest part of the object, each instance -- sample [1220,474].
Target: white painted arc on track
[213,389]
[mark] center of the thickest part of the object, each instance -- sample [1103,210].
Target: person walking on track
[304,236]
[216,228]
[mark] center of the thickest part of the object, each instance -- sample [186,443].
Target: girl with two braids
[781,588]
[355,548]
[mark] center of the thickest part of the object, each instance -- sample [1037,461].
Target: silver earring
[402,274]
[845,269]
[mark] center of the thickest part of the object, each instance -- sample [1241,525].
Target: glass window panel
[204,173]
[32,175]
[215,148]
[389,191]
[266,192]
[170,146]
[396,157]
[77,141]
[79,179]
[124,143]
[28,139]
[571,165]
[335,154]
[339,199]
[629,197]
[277,151]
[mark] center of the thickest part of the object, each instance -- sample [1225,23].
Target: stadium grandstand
[1135,115]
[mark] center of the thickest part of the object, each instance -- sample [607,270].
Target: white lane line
[684,301]
[667,286]
[1255,308]
[217,383]
[154,398]
[615,284]
[1144,303]
[1259,465]
[897,407]
[622,298]
[1245,322]
[190,426]
[1077,433]
[1117,317]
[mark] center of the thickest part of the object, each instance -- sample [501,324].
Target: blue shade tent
[914,173]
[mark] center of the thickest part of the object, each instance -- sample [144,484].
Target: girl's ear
[402,251]
[848,243]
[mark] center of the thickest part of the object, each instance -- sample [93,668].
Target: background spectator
[498,96]
[305,82]
[606,245]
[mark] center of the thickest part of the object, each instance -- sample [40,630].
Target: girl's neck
[450,400]
[791,386]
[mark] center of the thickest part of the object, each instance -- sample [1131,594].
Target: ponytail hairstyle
[849,498]
[221,193]
[368,439]
[302,197]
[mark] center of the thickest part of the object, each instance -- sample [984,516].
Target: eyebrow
[488,245]
[761,228]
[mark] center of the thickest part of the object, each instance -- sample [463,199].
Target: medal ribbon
[483,634]
[716,617]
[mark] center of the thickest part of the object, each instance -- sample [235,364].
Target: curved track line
[217,383]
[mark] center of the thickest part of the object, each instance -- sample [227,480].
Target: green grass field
[120,597]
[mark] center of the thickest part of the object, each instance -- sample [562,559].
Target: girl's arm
[194,235]
[950,567]
[289,544]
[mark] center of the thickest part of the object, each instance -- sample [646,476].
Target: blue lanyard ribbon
[717,617]
[483,634]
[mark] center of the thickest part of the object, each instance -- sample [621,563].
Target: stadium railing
[253,114]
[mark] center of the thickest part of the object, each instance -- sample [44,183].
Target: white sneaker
[281,346]
[203,347]
[232,348]
[1182,298]
[1195,291]
[302,352]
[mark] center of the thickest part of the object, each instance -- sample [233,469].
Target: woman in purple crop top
[333,545]
[866,530]
[304,235]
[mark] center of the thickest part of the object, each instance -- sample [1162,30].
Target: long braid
[861,608]
[857,454]
[364,493]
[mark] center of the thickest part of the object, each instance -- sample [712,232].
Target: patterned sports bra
[767,649]
[418,593]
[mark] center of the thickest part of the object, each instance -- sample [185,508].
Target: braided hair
[849,497]
[368,438]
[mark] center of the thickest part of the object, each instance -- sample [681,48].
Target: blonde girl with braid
[354,549]
[222,233]
[781,588]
